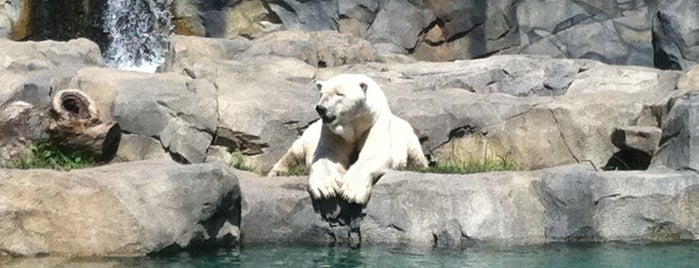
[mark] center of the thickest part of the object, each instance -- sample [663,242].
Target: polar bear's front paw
[322,187]
[355,191]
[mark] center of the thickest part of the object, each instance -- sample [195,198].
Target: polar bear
[356,141]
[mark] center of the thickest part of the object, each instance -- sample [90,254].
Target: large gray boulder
[181,112]
[29,56]
[612,32]
[263,101]
[680,136]
[319,49]
[571,203]
[399,22]
[33,87]
[356,16]
[306,15]
[134,147]
[30,70]
[129,209]
[279,210]
[576,127]
[467,29]
[247,19]
[568,203]
[191,55]
[261,118]
[183,50]
[675,38]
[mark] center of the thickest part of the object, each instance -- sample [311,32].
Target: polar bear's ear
[319,85]
[364,86]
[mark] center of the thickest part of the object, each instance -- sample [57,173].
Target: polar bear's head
[346,97]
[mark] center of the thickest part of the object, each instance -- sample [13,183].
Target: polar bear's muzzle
[325,115]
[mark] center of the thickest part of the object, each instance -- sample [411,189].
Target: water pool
[555,255]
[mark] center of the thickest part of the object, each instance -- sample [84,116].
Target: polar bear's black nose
[321,110]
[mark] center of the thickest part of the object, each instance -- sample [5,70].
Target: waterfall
[138,31]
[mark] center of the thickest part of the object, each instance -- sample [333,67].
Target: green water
[558,255]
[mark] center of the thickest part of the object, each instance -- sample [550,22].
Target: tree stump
[75,124]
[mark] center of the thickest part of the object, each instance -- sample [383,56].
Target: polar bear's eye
[340,94]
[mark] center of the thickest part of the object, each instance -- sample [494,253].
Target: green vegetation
[238,162]
[499,164]
[45,154]
[300,170]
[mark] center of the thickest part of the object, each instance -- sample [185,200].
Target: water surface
[555,255]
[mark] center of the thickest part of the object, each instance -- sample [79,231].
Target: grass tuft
[499,164]
[44,154]
[238,162]
[300,170]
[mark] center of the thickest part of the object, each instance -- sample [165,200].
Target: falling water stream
[138,31]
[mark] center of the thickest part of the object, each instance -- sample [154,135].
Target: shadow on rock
[628,159]
[344,219]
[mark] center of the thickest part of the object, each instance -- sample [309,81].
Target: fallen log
[74,123]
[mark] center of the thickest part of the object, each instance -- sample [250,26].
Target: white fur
[364,124]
